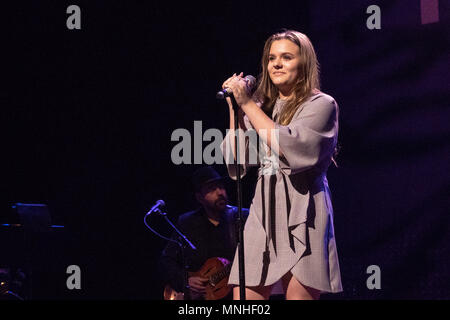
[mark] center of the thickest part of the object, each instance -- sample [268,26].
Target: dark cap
[203,176]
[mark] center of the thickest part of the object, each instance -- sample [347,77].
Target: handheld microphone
[250,81]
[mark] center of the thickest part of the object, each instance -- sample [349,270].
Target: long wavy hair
[307,83]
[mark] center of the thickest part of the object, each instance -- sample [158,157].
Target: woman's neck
[285,95]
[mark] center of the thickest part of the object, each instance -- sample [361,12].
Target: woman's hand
[238,86]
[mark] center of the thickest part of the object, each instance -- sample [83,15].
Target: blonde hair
[307,84]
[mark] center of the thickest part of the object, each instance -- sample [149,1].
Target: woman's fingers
[238,87]
[228,82]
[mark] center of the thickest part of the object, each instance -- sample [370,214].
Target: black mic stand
[182,245]
[239,220]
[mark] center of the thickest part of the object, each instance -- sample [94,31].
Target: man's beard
[220,204]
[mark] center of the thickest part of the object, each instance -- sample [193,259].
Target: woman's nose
[277,61]
[277,64]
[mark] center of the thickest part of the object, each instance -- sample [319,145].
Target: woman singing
[289,234]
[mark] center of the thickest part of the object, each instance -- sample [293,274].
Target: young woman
[289,234]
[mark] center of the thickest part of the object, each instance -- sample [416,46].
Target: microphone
[159,204]
[250,81]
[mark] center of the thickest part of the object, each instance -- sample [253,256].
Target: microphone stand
[186,288]
[239,220]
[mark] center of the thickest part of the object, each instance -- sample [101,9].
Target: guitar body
[215,290]
[214,269]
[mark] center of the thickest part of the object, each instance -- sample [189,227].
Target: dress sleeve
[248,152]
[309,140]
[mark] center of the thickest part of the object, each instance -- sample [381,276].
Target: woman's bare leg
[253,293]
[294,290]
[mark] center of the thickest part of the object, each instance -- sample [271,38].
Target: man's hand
[198,284]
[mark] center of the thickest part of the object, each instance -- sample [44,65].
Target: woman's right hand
[226,84]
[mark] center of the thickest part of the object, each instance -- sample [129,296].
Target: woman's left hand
[238,86]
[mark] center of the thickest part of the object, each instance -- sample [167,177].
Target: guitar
[216,270]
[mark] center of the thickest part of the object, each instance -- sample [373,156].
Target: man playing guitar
[212,230]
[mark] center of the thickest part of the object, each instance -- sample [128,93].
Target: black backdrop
[87,118]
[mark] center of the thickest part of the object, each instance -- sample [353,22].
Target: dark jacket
[210,241]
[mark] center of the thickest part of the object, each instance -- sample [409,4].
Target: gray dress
[290,225]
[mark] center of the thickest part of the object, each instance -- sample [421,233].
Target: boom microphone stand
[182,244]
[186,288]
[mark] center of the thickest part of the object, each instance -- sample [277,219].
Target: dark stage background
[87,118]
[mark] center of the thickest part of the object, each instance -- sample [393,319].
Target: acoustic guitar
[216,270]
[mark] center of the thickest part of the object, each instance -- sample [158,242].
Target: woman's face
[283,66]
